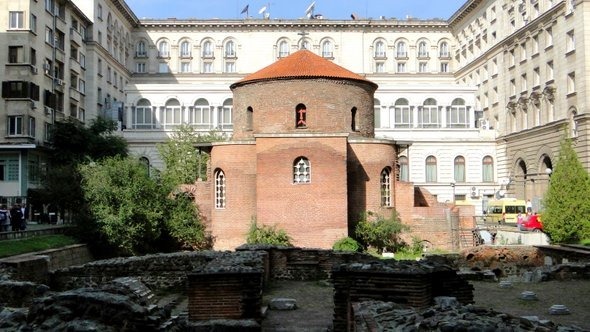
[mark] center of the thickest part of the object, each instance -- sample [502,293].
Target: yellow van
[505,210]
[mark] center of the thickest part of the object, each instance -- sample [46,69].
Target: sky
[294,9]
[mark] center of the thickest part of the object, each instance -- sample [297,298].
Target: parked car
[533,223]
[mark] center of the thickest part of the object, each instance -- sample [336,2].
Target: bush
[374,230]
[267,235]
[347,244]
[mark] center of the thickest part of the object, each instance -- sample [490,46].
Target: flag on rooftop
[262,10]
[309,10]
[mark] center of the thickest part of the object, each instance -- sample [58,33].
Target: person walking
[16,217]
[4,218]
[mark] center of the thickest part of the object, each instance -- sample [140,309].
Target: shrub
[267,235]
[347,244]
[374,230]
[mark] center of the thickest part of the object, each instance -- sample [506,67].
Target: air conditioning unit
[59,82]
[474,192]
[33,105]
[48,111]
[34,70]
[484,124]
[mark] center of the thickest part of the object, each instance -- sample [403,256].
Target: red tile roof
[301,64]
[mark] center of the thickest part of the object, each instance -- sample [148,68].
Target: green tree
[269,235]
[566,216]
[184,223]
[374,230]
[184,164]
[128,206]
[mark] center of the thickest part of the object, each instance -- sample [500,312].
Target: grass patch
[37,243]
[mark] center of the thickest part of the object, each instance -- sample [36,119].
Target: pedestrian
[23,223]
[519,221]
[4,218]
[16,217]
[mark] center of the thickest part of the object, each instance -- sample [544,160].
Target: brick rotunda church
[303,156]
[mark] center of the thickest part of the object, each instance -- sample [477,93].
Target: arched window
[143,115]
[404,169]
[163,49]
[431,169]
[305,44]
[140,50]
[207,49]
[145,162]
[444,50]
[172,113]
[225,114]
[185,49]
[327,49]
[401,51]
[300,116]
[403,117]
[487,169]
[422,49]
[380,49]
[249,118]
[301,170]
[200,114]
[283,49]
[220,189]
[385,184]
[459,169]
[230,49]
[353,120]
[458,115]
[428,114]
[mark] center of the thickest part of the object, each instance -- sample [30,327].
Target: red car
[533,223]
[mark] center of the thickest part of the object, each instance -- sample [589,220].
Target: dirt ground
[316,307]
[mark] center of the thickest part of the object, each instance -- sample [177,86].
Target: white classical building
[477,102]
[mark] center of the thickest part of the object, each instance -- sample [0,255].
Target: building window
[163,49]
[444,67]
[428,114]
[327,50]
[249,118]
[458,114]
[379,67]
[140,50]
[200,114]
[9,168]
[523,55]
[401,51]
[401,67]
[459,169]
[99,12]
[300,116]
[16,54]
[386,187]
[49,36]
[380,49]
[402,115]
[549,71]
[548,37]
[301,171]
[444,50]
[49,6]
[207,49]
[536,77]
[423,67]
[570,42]
[32,129]
[535,45]
[422,50]
[404,169]
[230,49]
[172,113]
[185,67]
[224,115]
[283,49]
[523,83]
[220,190]
[431,169]
[185,49]
[207,67]
[140,67]
[15,125]
[143,115]
[16,20]
[163,67]
[571,83]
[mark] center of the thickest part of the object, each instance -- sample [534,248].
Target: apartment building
[476,103]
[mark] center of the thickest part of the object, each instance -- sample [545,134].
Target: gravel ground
[316,307]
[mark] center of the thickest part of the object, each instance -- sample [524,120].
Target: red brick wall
[366,161]
[314,214]
[230,225]
[328,102]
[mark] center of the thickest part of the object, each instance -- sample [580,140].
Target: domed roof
[301,64]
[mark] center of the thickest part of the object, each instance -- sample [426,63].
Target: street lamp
[453,186]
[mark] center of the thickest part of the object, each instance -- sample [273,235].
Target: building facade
[475,103]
